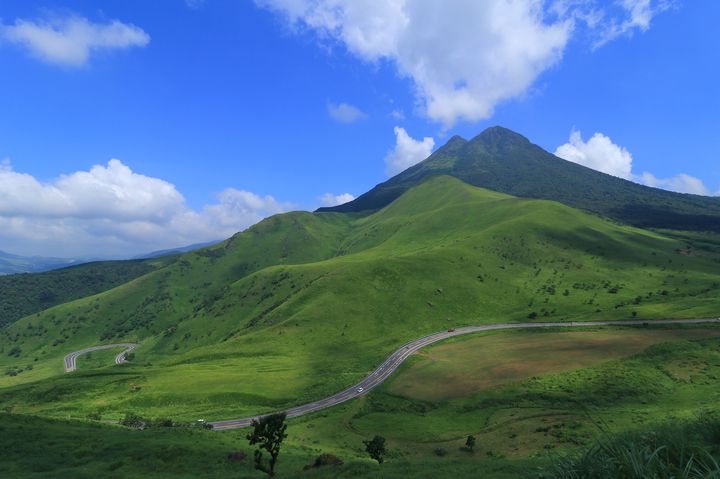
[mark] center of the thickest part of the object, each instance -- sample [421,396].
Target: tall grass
[682,451]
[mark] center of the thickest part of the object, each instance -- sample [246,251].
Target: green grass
[522,428]
[303,305]
[470,365]
[25,294]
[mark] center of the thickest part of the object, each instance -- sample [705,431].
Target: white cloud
[601,154]
[398,114]
[69,41]
[465,56]
[637,16]
[111,210]
[407,152]
[681,183]
[329,199]
[194,4]
[345,113]
[598,153]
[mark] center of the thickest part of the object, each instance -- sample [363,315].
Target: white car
[359,390]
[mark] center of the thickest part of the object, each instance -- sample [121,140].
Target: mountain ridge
[502,160]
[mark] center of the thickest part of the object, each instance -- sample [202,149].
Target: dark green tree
[376,448]
[470,443]
[268,433]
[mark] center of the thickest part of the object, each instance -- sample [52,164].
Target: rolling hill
[502,160]
[303,304]
[24,294]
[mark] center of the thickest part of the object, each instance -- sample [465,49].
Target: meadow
[650,379]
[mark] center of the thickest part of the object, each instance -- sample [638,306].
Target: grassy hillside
[502,160]
[302,304]
[25,294]
[522,427]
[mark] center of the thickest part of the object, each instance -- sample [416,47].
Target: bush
[163,422]
[134,421]
[237,456]
[325,459]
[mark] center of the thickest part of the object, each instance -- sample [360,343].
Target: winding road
[396,358]
[70,365]
[393,361]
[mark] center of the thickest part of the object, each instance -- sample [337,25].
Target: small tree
[470,443]
[376,448]
[269,433]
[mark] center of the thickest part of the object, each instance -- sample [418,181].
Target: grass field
[520,426]
[460,369]
[303,304]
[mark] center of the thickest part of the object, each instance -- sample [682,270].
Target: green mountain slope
[24,294]
[304,304]
[502,160]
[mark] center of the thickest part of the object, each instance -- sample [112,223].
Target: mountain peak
[453,144]
[498,136]
[501,160]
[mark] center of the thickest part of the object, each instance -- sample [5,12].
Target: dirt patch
[461,369]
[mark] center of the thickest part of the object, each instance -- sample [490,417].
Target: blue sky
[218,113]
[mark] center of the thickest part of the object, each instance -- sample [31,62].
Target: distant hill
[502,160]
[181,249]
[12,263]
[24,294]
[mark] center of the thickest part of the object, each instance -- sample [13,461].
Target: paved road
[396,358]
[119,359]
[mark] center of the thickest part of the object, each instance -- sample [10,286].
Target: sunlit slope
[302,304]
[502,160]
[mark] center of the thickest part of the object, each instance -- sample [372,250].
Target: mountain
[12,263]
[502,160]
[303,304]
[24,294]
[181,249]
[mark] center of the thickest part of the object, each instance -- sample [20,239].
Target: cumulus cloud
[345,113]
[681,183]
[465,56]
[598,153]
[112,210]
[601,154]
[407,152]
[69,41]
[329,199]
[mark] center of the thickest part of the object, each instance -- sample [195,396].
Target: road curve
[395,359]
[70,365]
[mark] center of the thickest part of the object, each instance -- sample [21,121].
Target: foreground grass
[687,450]
[520,427]
[38,448]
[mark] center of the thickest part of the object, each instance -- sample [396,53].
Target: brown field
[463,368]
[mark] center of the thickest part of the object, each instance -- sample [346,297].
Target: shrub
[134,421]
[325,459]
